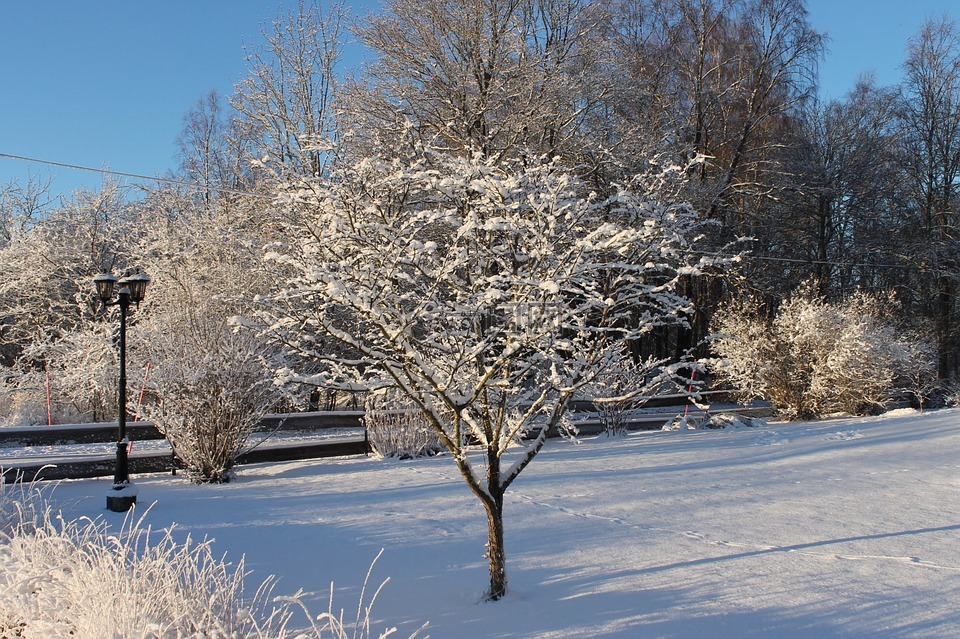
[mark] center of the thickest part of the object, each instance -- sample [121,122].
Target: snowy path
[849,528]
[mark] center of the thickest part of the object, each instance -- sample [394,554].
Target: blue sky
[106,83]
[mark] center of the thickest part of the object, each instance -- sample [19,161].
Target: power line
[162,180]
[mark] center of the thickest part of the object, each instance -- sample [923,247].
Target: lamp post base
[121,497]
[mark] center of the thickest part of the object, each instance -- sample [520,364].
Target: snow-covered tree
[488,295]
[814,357]
[48,310]
[210,381]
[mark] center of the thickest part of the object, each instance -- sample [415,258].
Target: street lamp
[122,494]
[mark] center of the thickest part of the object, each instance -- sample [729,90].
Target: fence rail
[62,465]
[101,432]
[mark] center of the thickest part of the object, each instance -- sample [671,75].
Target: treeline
[856,194]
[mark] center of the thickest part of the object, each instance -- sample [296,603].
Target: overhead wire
[137,176]
[191,185]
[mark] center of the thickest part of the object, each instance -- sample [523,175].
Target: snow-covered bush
[396,428]
[20,405]
[625,385]
[73,579]
[951,394]
[211,379]
[61,579]
[209,389]
[723,421]
[81,370]
[813,357]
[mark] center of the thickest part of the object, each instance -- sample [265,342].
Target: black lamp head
[105,283]
[137,286]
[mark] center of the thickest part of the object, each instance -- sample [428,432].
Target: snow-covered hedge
[814,357]
[723,421]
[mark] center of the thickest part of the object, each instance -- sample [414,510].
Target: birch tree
[488,295]
[216,149]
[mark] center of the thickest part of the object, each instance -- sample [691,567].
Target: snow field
[844,528]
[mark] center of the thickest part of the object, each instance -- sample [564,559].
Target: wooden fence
[58,462]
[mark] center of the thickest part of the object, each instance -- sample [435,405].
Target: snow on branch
[482,287]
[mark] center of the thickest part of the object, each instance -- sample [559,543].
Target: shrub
[61,578]
[19,404]
[951,394]
[81,373]
[395,428]
[813,357]
[209,390]
[626,385]
[401,433]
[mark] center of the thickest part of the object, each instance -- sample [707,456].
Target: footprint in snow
[769,438]
[846,435]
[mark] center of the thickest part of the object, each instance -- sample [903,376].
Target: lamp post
[122,494]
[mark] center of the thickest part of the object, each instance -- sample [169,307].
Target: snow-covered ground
[845,528]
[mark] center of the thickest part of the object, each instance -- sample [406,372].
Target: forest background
[859,193]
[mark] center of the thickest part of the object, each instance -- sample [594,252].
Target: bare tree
[930,133]
[207,157]
[288,95]
[217,153]
[720,76]
[719,80]
[21,206]
[501,77]
[837,209]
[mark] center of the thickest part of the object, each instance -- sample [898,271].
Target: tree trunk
[495,550]
[947,354]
